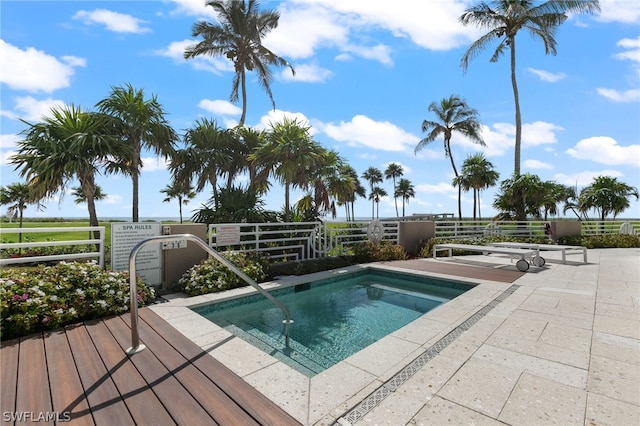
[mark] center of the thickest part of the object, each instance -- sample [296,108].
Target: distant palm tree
[206,156]
[180,190]
[352,188]
[238,36]
[70,144]
[17,196]
[520,196]
[80,198]
[503,19]
[373,176]
[405,190]
[607,195]
[394,171]
[480,174]
[453,116]
[290,154]
[554,194]
[250,139]
[142,124]
[375,196]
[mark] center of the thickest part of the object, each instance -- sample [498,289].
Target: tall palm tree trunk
[455,172]
[135,180]
[287,210]
[243,81]
[395,199]
[516,98]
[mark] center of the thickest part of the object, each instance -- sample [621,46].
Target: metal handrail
[133,296]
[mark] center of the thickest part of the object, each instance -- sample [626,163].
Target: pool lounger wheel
[538,261]
[522,265]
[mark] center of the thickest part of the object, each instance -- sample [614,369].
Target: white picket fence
[90,243]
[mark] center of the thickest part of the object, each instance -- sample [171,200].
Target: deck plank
[456,269]
[257,404]
[184,408]
[68,398]
[9,375]
[218,404]
[33,385]
[106,404]
[143,404]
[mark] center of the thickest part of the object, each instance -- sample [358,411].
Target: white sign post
[124,236]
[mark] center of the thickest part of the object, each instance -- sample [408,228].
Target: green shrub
[211,276]
[47,297]
[603,241]
[377,252]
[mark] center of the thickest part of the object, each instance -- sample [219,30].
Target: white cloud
[536,165]
[309,73]
[8,141]
[584,178]
[113,199]
[152,164]
[194,8]
[626,11]
[306,26]
[114,21]
[176,49]
[34,70]
[440,188]
[631,95]
[277,116]
[546,75]
[500,137]
[31,109]
[363,131]
[633,49]
[605,150]
[219,107]
[5,156]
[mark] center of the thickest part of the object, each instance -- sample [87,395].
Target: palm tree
[250,139]
[290,154]
[376,194]
[503,19]
[142,124]
[520,196]
[607,196]
[554,193]
[373,176]
[480,174]
[405,191]
[453,115]
[238,37]
[394,171]
[69,144]
[206,156]
[180,190]
[18,196]
[80,198]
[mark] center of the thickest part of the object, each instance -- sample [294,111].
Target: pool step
[296,356]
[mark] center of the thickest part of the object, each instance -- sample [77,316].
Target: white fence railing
[95,246]
[295,240]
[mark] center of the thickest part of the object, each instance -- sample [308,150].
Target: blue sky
[366,72]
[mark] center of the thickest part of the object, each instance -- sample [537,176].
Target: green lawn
[52,236]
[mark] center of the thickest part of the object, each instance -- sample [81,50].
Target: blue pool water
[332,318]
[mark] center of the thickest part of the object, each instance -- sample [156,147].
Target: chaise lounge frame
[532,254]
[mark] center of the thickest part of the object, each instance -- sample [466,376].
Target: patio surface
[555,345]
[561,346]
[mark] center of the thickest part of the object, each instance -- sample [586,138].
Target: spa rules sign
[124,236]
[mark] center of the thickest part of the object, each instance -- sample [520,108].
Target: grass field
[51,236]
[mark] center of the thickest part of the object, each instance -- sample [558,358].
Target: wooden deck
[82,373]
[457,268]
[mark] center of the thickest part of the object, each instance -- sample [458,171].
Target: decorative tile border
[375,398]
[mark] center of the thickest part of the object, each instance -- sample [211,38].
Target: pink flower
[25,296]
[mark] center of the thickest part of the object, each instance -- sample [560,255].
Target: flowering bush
[211,276]
[44,298]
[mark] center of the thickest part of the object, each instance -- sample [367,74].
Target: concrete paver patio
[563,348]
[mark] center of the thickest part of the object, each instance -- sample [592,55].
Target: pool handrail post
[133,296]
